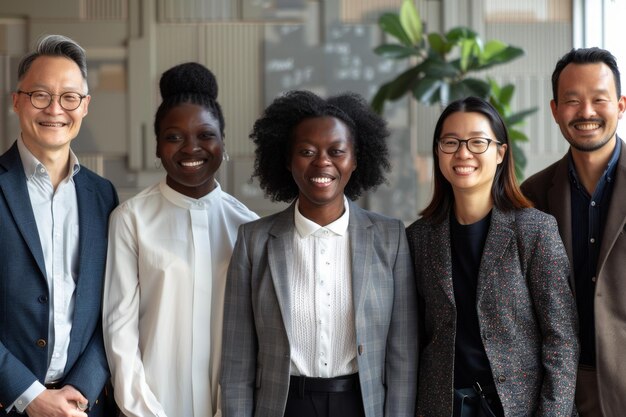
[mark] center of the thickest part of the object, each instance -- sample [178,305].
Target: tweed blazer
[24,294]
[257,313]
[526,314]
[550,191]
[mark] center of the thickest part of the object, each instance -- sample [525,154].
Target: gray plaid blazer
[256,349]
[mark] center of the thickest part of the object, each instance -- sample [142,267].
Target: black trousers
[325,397]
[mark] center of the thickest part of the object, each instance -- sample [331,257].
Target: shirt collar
[306,227]
[610,167]
[32,166]
[187,202]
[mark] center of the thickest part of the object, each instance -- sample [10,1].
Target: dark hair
[54,45]
[505,190]
[272,135]
[585,56]
[191,83]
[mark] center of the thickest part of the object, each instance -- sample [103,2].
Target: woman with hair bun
[169,249]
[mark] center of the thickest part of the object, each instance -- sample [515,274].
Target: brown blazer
[550,191]
[526,313]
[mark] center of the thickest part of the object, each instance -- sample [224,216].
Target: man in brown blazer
[586,192]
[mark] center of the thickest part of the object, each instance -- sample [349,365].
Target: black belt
[54,385]
[304,384]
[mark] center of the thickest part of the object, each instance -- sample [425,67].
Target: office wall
[258,49]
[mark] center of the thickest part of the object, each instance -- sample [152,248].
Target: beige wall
[130,43]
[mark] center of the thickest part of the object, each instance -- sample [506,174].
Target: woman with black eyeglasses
[498,322]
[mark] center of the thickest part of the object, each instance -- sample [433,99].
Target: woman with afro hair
[320,313]
[169,249]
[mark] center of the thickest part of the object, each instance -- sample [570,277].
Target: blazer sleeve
[15,377]
[240,345]
[554,304]
[402,344]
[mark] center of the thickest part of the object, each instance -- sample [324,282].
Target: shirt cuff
[27,397]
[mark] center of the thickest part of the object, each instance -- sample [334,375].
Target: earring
[157,163]
[225,156]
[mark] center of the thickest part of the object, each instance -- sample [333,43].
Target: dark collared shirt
[589,215]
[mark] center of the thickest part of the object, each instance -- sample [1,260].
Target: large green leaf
[438,68]
[506,94]
[468,51]
[395,51]
[411,21]
[520,116]
[492,48]
[476,87]
[403,83]
[425,88]
[517,135]
[508,54]
[439,44]
[455,35]
[378,102]
[390,23]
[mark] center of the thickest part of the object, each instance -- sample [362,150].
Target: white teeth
[587,126]
[464,170]
[58,124]
[192,164]
[321,180]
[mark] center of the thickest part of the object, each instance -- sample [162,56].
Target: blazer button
[488,335]
[43,299]
[41,343]
[360,350]
[501,378]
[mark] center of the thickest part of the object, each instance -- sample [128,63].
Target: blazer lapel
[13,185]
[616,216]
[361,240]
[280,254]
[498,240]
[440,265]
[84,195]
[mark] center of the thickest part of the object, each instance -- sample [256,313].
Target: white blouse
[323,342]
[163,299]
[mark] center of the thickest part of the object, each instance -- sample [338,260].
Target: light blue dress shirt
[56,215]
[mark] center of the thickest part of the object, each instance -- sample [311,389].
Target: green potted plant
[441,67]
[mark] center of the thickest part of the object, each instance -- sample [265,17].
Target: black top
[589,215]
[470,360]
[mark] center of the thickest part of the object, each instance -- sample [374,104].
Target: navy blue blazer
[24,296]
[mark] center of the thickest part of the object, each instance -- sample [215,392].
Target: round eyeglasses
[474,145]
[42,99]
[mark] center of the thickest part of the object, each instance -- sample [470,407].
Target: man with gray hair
[53,239]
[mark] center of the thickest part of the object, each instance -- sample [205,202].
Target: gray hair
[54,45]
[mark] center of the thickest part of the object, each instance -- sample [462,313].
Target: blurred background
[261,48]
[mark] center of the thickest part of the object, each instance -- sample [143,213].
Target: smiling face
[50,129]
[322,159]
[588,108]
[191,149]
[467,172]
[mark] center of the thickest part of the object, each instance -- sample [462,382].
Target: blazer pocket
[259,374]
